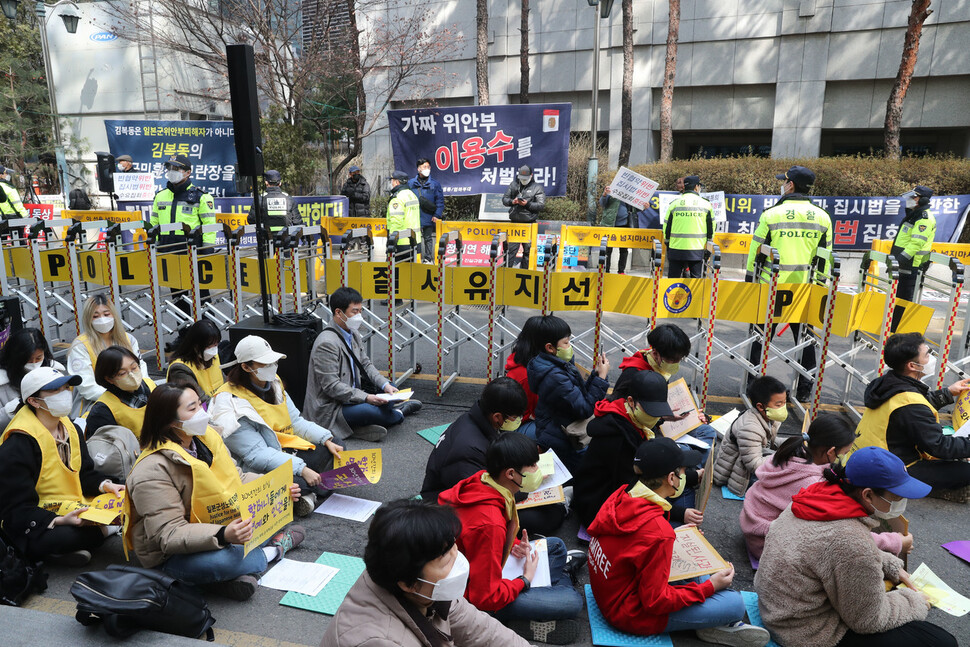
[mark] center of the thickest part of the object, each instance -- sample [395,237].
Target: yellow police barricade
[355,248]
[448,257]
[126,268]
[516,232]
[402,329]
[712,269]
[297,249]
[44,247]
[589,289]
[18,276]
[208,269]
[952,288]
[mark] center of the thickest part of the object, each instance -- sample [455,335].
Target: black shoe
[804,392]
[553,632]
[575,561]
[409,406]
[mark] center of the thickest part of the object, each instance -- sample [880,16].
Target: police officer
[279,209]
[403,211]
[688,227]
[180,201]
[913,244]
[797,229]
[10,204]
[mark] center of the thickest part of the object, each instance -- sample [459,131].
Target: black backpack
[78,200]
[19,577]
[126,599]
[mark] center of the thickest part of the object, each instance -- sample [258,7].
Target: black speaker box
[106,172]
[245,110]
[293,341]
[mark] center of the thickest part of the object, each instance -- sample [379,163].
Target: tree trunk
[524,54]
[360,114]
[626,97]
[670,72]
[894,106]
[481,50]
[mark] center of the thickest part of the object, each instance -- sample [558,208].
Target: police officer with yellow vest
[279,209]
[901,416]
[688,227]
[913,244]
[10,204]
[403,211]
[797,229]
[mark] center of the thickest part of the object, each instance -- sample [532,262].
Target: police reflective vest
[56,482]
[10,204]
[128,417]
[871,431]
[404,212]
[688,225]
[209,379]
[276,416]
[796,228]
[279,210]
[914,240]
[193,206]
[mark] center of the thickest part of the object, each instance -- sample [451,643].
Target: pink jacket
[772,493]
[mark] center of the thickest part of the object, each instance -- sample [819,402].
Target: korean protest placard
[267,501]
[693,555]
[369,460]
[632,188]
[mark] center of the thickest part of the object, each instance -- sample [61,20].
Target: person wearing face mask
[526,199]
[821,582]
[262,427]
[563,396]
[180,514]
[10,204]
[411,593]
[357,191]
[344,389]
[630,556]
[913,244]
[25,350]
[403,212]
[125,164]
[101,327]
[485,504]
[45,464]
[797,464]
[431,199]
[902,416]
[688,228]
[196,358]
[751,439]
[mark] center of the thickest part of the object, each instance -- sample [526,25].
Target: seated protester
[822,577]
[180,514]
[46,463]
[125,395]
[901,416]
[631,551]
[101,327]
[196,359]
[523,350]
[25,350]
[411,594]
[563,396]
[668,346]
[620,425]
[460,451]
[485,504]
[343,385]
[262,427]
[751,439]
[798,463]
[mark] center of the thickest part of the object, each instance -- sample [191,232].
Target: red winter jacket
[484,528]
[630,366]
[629,563]
[518,373]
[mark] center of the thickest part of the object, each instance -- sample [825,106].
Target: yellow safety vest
[10,204]
[128,417]
[274,415]
[209,379]
[796,228]
[687,216]
[404,212]
[916,239]
[871,431]
[83,339]
[195,208]
[56,483]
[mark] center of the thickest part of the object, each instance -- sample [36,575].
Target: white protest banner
[135,186]
[632,188]
[717,201]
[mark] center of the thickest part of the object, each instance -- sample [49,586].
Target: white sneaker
[737,635]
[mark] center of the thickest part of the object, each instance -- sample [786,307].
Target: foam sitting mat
[728,495]
[605,635]
[754,614]
[432,434]
[333,594]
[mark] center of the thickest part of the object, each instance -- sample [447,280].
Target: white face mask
[353,323]
[781,191]
[425,172]
[266,373]
[174,176]
[910,203]
[929,368]
[32,365]
[896,508]
[197,424]
[452,586]
[103,324]
[210,353]
[59,404]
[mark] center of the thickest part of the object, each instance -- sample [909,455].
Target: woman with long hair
[196,358]
[25,350]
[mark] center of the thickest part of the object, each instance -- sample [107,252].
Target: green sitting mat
[754,614]
[329,599]
[432,434]
[605,635]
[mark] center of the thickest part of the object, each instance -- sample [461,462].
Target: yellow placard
[369,461]
[340,226]
[516,232]
[585,236]
[520,288]
[961,411]
[267,501]
[733,243]
[103,509]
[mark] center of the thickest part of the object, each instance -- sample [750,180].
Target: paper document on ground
[939,592]
[680,400]
[693,442]
[348,507]
[515,566]
[559,475]
[302,577]
[723,424]
[693,555]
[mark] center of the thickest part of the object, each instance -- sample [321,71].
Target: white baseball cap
[254,349]
[45,378]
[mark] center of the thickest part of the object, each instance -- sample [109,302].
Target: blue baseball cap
[875,467]
[354,169]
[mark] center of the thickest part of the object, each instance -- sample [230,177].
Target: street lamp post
[593,168]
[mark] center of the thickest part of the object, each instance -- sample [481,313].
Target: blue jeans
[215,565]
[708,434]
[363,414]
[722,608]
[556,602]
[528,429]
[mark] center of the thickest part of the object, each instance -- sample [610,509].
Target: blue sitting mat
[754,615]
[432,434]
[728,495]
[604,635]
[328,600]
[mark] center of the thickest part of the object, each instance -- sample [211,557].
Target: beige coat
[370,616]
[744,448]
[160,488]
[818,579]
